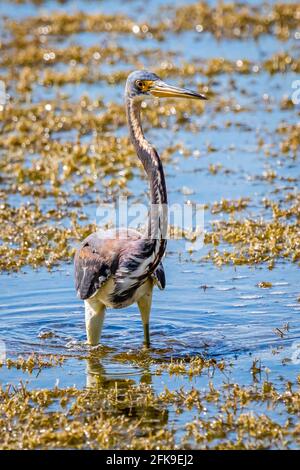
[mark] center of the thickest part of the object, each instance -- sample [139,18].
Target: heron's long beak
[162,90]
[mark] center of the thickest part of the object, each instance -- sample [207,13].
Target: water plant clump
[257,241]
[230,206]
[34,362]
[223,21]
[29,239]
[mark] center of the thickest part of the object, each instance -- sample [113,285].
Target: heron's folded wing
[91,271]
[159,276]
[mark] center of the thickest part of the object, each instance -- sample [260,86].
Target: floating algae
[257,241]
[124,415]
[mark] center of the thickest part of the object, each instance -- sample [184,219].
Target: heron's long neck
[146,153]
[157,225]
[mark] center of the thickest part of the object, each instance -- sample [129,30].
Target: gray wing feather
[159,276]
[93,266]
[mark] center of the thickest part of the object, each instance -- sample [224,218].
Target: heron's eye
[139,84]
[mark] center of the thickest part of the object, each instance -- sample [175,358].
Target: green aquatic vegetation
[101,418]
[261,433]
[215,168]
[87,72]
[37,162]
[52,116]
[35,53]
[63,23]
[264,284]
[119,413]
[238,20]
[282,63]
[283,211]
[34,362]
[60,153]
[228,20]
[30,237]
[226,205]
[256,241]
[291,138]
[192,366]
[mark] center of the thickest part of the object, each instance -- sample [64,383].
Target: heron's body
[116,268]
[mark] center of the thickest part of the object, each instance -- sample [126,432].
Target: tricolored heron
[120,267]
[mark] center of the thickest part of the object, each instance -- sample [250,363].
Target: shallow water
[221,313]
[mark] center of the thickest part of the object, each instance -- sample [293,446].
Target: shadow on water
[96,377]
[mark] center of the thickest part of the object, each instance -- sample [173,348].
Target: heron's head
[142,84]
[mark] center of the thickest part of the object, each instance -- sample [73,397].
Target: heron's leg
[144,304]
[94,316]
